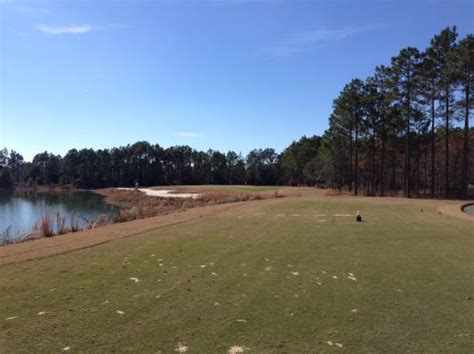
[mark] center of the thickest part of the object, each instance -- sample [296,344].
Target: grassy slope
[414,280]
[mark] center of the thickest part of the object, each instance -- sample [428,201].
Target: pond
[20,211]
[469,209]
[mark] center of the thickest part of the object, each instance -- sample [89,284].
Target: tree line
[398,130]
[141,162]
[405,129]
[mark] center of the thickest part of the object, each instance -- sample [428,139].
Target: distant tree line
[405,130]
[141,162]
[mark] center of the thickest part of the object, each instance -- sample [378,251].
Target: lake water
[469,209]
[20,211]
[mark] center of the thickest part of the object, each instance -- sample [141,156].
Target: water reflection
[19,211]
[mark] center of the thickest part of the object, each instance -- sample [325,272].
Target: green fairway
[281,275]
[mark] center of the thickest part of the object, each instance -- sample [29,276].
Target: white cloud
[80,29]
[32,10]
[327,34]
[243,2]
[224,2]
[188,134]
[301,41]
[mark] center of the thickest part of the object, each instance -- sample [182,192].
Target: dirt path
[456,210]
[74,241]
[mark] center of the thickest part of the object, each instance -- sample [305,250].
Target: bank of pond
[31,214]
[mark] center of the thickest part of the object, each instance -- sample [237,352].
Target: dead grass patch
[137,205]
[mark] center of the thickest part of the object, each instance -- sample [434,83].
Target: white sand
[163,193]
[235,349]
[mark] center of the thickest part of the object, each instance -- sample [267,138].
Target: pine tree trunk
[465,162]
[350,157]
[407,158]
[446,163]
[382,161]
[356,180]
[433,147]
[407,143]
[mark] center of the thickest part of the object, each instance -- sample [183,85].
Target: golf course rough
[266,276]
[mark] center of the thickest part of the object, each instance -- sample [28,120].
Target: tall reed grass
[49,226]
[137,205]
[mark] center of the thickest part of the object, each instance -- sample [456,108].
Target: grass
[414,290]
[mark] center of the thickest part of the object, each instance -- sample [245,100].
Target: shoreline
[132,205]
[49,188]
[48,246]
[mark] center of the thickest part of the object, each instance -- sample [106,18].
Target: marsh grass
[137,205]
[49,226]
[45,226]
[60,224]
[6,237]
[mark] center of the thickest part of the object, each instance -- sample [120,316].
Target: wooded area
[404,129]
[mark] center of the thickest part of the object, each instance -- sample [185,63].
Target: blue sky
[219,74]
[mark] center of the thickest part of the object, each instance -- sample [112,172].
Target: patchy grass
[283,275]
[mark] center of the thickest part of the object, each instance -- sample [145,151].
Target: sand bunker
[235,349]
[163,193]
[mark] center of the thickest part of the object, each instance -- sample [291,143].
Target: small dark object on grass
[358,217]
